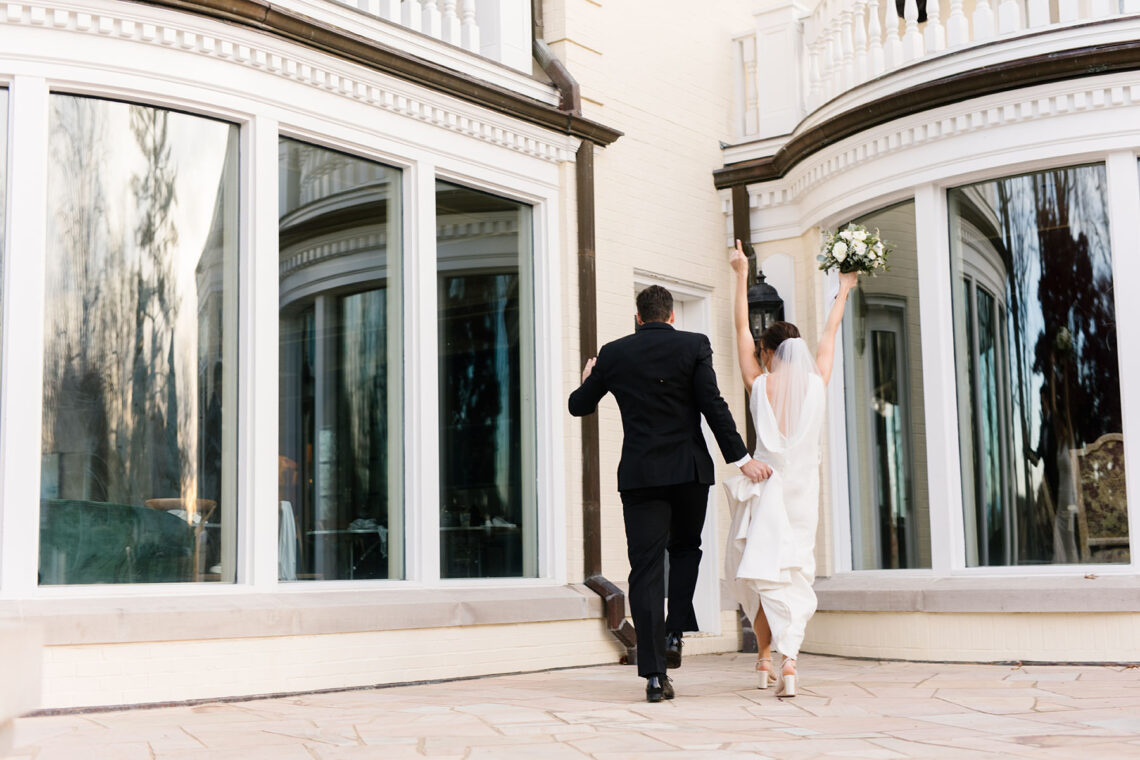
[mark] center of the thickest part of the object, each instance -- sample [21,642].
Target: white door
[693,314]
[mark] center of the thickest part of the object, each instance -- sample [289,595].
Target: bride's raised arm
[745,346]
[825,353]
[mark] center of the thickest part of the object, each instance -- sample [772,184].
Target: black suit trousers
[656,519]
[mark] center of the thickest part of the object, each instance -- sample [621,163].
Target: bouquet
[854,249]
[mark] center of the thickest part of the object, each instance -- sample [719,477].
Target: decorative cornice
[163,29]
[1012,75]
[265,17]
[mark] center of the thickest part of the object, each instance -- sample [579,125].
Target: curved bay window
[486,386]
[339,467]
[1039,411]
[138,441]
[886,425]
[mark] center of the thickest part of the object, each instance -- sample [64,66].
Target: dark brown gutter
[317,35]
[613,599]
[1011,75]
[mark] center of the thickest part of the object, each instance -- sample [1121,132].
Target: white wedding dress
[771,542]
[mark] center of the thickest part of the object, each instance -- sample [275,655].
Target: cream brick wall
[977,637]
[667,84]
[118,674]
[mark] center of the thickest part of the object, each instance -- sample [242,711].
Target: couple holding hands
[663,381]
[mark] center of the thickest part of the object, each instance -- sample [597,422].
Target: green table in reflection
[98,542]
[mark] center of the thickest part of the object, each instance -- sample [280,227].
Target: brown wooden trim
[588,347]
[261,15]
[1012,75]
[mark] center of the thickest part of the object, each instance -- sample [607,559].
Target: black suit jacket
[663,381]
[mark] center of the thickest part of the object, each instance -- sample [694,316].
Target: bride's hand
[738,260]
[848,280]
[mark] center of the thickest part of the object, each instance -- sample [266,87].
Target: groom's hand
[756,470]
[589,367]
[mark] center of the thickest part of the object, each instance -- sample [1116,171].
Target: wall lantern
[764,304]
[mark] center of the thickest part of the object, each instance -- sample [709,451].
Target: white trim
[21,418]
[694,300]
[258,348]
[839,481]
[939,375]
[1123,213]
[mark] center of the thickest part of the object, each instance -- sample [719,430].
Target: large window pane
[340,467]
[886,424]
[1042,443]
[486,386]
[138,443]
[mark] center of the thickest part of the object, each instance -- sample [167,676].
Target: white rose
[846,235]
[839,251]
[859,248]
[860,235]
[878,248]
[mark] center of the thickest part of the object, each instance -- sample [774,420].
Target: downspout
[613,599]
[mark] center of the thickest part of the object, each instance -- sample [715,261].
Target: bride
[771,543]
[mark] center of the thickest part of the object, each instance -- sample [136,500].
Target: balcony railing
[497,29]
[796,61]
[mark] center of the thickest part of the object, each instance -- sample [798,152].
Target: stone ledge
[20,677]
[876,592]
[117,620]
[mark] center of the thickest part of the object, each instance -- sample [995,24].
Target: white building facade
[293,295]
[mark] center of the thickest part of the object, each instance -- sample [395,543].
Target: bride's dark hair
[776,334]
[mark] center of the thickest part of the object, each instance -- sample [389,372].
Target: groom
[663,381]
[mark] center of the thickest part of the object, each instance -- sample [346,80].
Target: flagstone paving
[846,709]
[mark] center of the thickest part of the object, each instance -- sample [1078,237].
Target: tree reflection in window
[140,303]
[1037,358]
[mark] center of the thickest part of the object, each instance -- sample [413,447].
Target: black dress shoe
[658,688]
[673,646]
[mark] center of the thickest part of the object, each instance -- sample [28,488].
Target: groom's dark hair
[654,304]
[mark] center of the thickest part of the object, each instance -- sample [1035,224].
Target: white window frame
[399,142]
[948,555]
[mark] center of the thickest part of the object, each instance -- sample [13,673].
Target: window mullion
[939,378]
[421,339]
[1123,211]
[21,404]
[258,496]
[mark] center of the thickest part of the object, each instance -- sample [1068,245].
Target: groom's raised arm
[585,400]
[713,406]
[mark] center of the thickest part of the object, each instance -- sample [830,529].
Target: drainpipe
[613,599]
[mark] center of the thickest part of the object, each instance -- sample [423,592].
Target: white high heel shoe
[786,686]
[765,677]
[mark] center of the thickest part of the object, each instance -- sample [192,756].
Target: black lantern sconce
[764,303]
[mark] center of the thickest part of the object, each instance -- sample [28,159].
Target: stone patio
[846,708]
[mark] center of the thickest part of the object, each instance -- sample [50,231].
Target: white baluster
[751,93]
[894,46]
[815,76]
[413,14]
[470,27]
[1009,16]
[451,31]
[371,7]
[1102,8]
[957,27]
[433,19]
[1038,13]
[983,21]
[912,40]
[935,32]
[1130,6]
[875,33]
[848,48]
[862,66]
[835,59]
[390,10]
